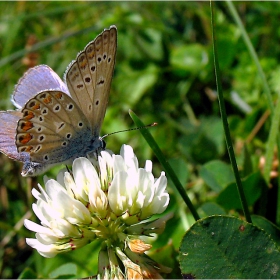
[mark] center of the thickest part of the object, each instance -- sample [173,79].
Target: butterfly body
[61,121]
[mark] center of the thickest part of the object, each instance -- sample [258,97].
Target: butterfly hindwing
[53,128]
[89,77]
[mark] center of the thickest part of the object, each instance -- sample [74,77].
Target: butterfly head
[31,168]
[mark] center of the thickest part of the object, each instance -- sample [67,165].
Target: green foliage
[223,247]
[165,74]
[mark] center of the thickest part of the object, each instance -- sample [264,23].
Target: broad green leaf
[247,164]
[216,133]
[135,83]
[211,208]
[64,271]
[201,144]
[181,170]
[216,174]
[190,58]
[204,149]
[28,273]
[229,248]
[268,226]
[253,184]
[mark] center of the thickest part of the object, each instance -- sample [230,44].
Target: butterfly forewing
[89,77]
[8,125]
[53,128]
[35,80]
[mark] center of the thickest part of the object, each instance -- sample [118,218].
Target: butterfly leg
[93,157]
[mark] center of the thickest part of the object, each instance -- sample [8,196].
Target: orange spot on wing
[25,138]
[83,64]
[28,115]
[91,54]
[58,95]
[36,106]
[47,100]
[29,149]
[27,125]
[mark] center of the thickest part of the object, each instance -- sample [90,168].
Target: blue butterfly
[57,122]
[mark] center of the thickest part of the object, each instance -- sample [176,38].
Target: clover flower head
[111,200]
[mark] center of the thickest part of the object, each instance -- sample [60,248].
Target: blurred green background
[164,73]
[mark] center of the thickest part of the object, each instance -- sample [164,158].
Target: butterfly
[58,121]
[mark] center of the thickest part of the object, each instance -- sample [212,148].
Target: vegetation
[165,74]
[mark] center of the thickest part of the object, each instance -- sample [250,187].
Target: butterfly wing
[35,80]
[8,125]
[53,129]
[89,77]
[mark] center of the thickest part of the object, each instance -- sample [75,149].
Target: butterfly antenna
[135,128]
[67,168]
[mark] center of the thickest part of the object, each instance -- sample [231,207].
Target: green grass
[165,74]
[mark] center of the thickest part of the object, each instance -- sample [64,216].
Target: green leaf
[268,226]
[135,83]
[217,175]
[190,58]
[64,271]
[227,247]
[253,184]
[270,144]
[211,208]
[28,273]
[181,168]
[247,164]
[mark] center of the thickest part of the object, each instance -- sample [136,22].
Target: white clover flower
[109,200]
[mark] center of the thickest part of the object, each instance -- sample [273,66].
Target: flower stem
[225,122]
